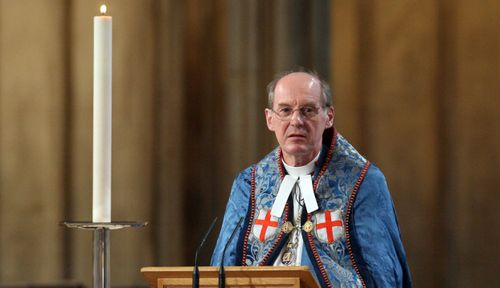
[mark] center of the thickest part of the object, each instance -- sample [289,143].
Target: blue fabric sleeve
[375,236]
[236,208]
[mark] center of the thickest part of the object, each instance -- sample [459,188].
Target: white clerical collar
[304,179]
[302,170]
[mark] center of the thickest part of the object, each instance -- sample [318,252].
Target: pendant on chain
[289,254]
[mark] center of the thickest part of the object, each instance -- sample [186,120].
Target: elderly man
[314,200]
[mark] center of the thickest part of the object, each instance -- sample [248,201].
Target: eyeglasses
[285,113]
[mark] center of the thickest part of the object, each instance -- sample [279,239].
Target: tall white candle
[101,196]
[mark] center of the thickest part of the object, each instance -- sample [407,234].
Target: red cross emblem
[264,226]
[332,224]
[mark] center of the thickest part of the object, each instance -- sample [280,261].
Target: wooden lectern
[236,276]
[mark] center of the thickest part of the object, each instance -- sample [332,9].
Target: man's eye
[285,110]
[307,110]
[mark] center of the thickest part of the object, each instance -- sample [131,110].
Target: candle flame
[103,9]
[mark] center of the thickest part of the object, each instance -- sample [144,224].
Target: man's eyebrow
[308,104]
[284,105]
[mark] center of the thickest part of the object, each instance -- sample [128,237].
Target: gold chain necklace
[289,256]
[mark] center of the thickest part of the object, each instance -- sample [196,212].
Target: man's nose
[297,118]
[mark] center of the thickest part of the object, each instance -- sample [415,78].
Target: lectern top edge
[253,276]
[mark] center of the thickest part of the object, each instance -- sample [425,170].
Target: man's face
[299,137]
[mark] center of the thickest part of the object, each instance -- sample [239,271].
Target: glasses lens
[307,112]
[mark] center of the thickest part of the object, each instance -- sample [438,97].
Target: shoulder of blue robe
[375,236]
[236,207]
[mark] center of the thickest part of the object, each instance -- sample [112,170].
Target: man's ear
[331,116]
[269,118]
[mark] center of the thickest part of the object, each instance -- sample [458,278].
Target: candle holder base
[101,245]
[103,225]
